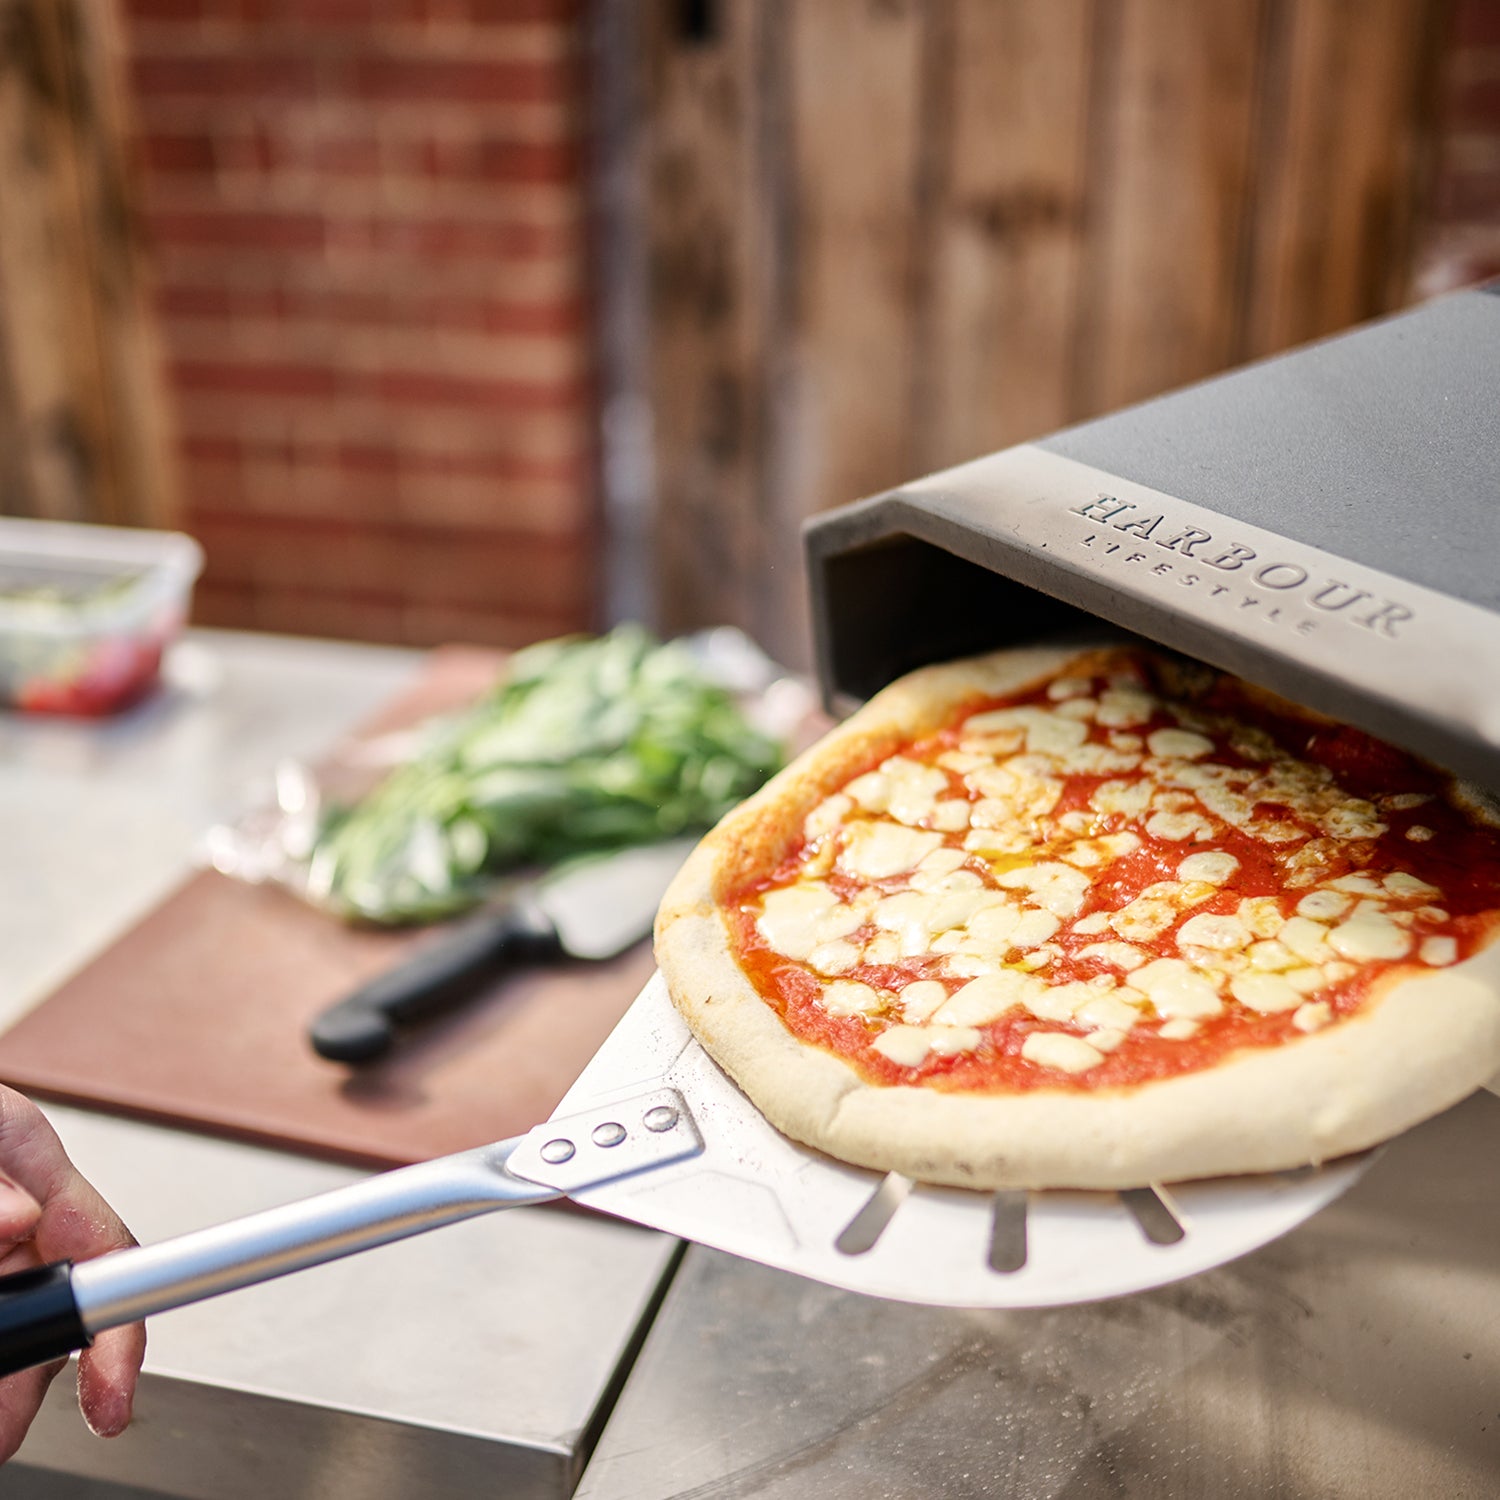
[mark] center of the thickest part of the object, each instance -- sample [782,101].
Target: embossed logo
[1230,571]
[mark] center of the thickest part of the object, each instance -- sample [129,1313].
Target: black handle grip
[362,1026]
[39,1319]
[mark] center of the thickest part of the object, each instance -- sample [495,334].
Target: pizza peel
[654,1132]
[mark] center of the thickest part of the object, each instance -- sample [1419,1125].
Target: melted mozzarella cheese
[910,1046]
[988,998]
[848,997]
[1213,867]
[1058,1049]
[1176,990]
[1266,993]
[880,850]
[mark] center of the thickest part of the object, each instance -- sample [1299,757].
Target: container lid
[58,577]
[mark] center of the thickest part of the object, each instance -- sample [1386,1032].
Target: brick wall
[1462,242]
[367,232]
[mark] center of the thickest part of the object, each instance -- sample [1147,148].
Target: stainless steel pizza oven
[1326,523]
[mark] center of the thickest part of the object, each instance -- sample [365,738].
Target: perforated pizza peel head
[654,1132]
[755,1193]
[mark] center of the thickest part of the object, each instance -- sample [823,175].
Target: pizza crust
[1422,1041]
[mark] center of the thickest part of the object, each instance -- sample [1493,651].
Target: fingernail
[105,1407]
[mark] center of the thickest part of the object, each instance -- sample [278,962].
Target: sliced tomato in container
[86,613]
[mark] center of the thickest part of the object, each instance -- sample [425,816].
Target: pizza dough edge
[1424,1040]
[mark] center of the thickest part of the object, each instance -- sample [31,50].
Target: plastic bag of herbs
[585,744]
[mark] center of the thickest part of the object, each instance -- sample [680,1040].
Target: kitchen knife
[589,909]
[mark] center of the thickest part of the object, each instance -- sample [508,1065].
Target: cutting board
[197,1016]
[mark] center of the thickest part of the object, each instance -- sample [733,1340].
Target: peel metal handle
[362,1026]
[52,1310]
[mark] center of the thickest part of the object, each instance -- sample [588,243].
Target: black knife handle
[39,1319]
[362,1026]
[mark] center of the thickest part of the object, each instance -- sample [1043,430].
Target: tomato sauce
[1458,855]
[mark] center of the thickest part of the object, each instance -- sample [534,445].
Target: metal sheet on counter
[1357,1357]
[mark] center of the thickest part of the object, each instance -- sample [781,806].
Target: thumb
[19,1211]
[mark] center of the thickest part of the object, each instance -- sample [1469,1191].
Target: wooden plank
[1169,172]
[82,381]
[1345,102]
[855,109]
[705,231]
[781,251]
[1007,226]
[888,235]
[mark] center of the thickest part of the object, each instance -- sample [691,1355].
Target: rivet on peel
[558,1151]
[611,1133]
[663,1117]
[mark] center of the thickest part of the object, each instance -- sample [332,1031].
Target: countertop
[478,1357]
[1356,1357]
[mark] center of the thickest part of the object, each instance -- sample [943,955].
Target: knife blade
[590,909]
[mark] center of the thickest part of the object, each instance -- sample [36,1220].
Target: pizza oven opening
[903,602]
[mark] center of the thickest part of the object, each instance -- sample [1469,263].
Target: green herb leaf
[586,743]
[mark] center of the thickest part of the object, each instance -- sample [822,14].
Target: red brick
[222,77]
[225,606]
[458,239]
[1476,23]
[516,572]
[246,150]
[513,317]
[256,231]
[340,616]
[213,449]
[1469,196]
[441,624]
[421,387]
[178,153]
[420,80]
[1476,105]
[180,301]
[368,458]
[503,160]
[163,10]
[480,505]
[288,380]
[490,12]
[339,12]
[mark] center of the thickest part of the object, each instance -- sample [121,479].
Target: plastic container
[86,612]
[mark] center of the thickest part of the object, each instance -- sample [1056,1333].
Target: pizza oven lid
[1325,523]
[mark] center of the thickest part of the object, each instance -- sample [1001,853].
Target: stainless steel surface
[454,1385]
[1358,1358]
[600,907]
[133,1284]
[755,1193]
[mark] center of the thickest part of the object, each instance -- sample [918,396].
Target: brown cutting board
[198,1016]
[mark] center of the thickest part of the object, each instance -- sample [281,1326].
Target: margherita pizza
[1096,919]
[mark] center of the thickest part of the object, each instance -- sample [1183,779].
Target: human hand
[48,1212]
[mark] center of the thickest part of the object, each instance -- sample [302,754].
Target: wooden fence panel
[708,235]
[842,414]
[941,226]
[83,420]
[1007,225]
[1169,178]
[1342,146]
